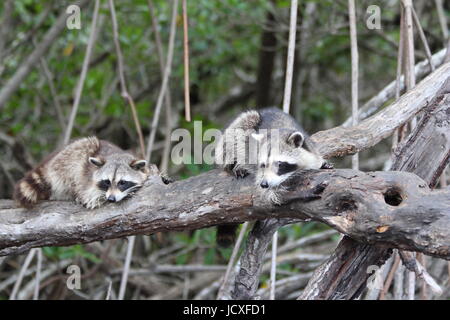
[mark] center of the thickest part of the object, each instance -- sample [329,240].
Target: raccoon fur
[269,144]
[89,171]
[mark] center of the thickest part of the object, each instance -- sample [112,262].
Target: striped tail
[31,189]
[226,235]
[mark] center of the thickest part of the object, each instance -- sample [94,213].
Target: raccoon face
[118,176]
[280,155]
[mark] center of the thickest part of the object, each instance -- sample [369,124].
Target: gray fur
[74,173]
[289,143]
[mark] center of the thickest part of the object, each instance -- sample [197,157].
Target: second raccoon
[284,147]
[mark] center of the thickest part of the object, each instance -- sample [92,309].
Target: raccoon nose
[111,198]
[264,184]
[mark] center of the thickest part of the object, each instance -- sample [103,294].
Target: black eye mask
[125,185]
[285,167]
[104,185]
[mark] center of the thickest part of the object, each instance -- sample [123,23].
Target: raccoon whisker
[133,189]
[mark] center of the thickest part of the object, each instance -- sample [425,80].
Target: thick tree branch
[425,152]
[360,205]
[375,103]
[341,141]
[209,199]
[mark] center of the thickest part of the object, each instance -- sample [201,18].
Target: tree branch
[344,274]
[342,141]
[360,205]
[33,59]
[375,103]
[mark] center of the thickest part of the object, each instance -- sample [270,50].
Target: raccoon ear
[296,139]
[257,136]
[98,162]
[138,164]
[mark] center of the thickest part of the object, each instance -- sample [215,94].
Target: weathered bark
[247,279]
[426,153]
[342,141]
[348,260]
[433,131]
[374,104]
[361,205]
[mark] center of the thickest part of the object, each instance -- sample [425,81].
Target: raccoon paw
[327,165]
[240,173]
[166,179]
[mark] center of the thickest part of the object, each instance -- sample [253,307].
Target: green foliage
[76,251]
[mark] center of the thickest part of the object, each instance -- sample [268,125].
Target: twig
[164,165]
[32,60]
[126,267]
[290,56]
[447,52]
[5,25]
[399,282]
[442,19]
[422,38]
[84,69]
[423,290]
[168,268]
[417,269]
[410,79]
[410,82]
[38,274]
[165,81]
[421,69]
[187,101]
[355,58]
[24,268]
[389,278]
[304,241]
[401,45]
[273,266]
[108,293]
[53,93]
[231,263]
[125,94]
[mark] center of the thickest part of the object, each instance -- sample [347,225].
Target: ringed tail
[31,189]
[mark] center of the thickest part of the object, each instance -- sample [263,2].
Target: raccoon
[269,144]
[89,171]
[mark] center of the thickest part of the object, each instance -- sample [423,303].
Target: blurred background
[237,61]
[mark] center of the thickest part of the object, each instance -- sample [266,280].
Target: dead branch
[361,205]
[375,103]
[344,275]
[33,59]
[342,141]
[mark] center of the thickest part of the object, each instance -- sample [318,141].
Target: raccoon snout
[264,184]
[111,198]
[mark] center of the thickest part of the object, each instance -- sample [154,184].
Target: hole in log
[393,197]
[346,204]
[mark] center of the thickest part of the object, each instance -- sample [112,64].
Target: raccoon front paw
[305,195]
[166,179]
[240,173]
[327,165]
